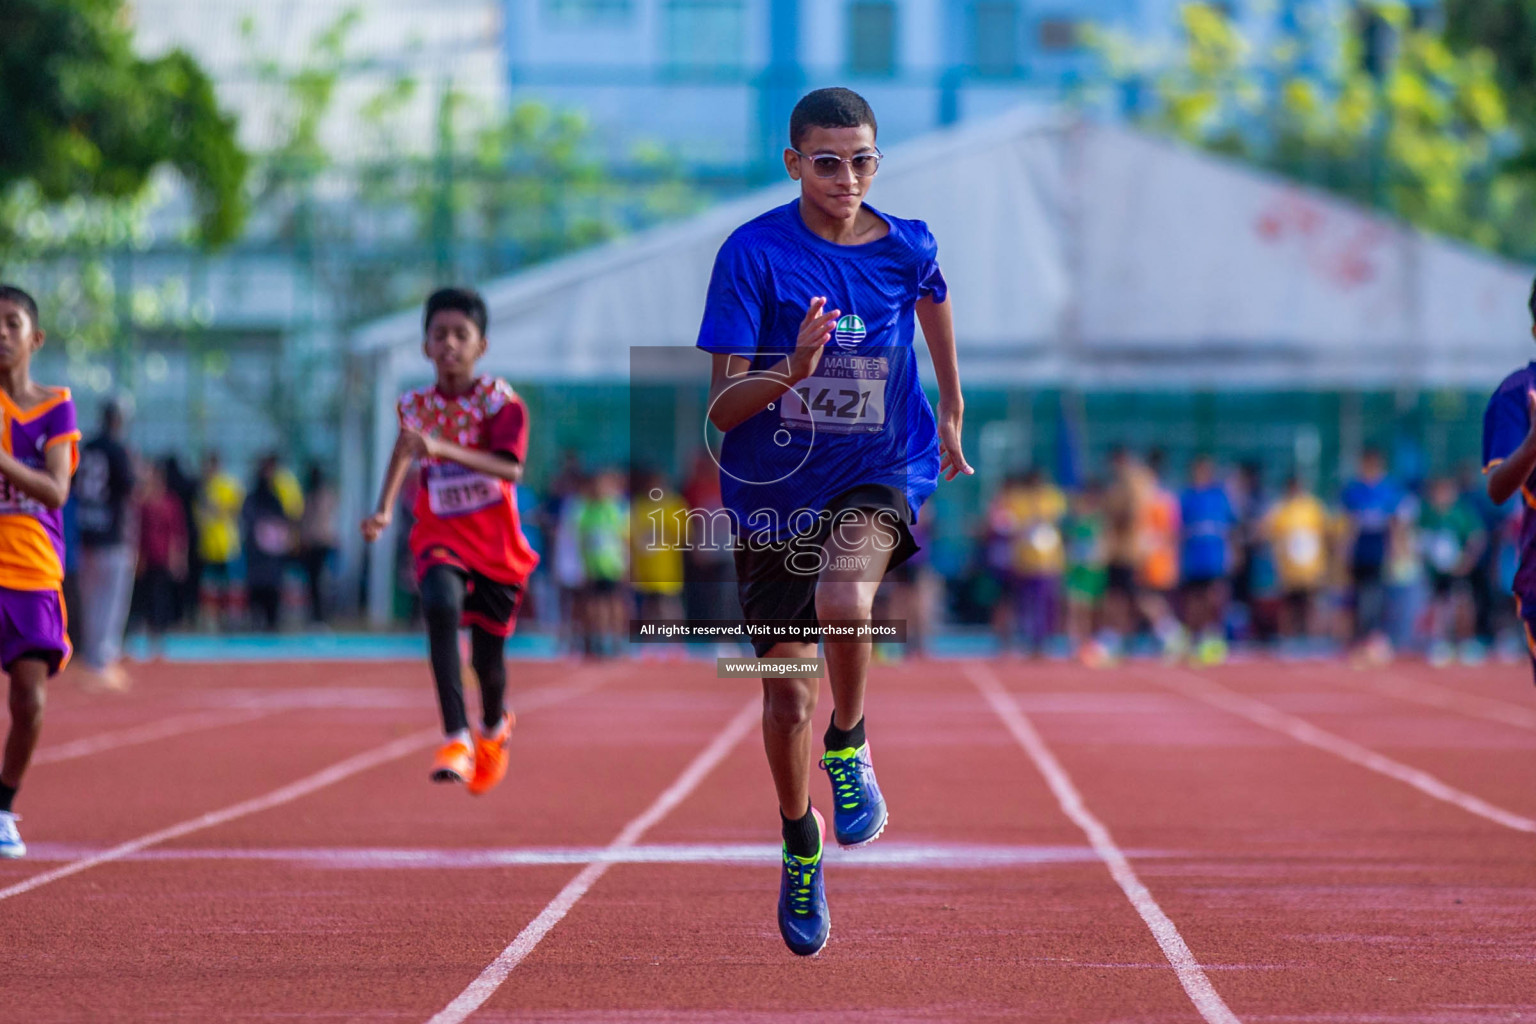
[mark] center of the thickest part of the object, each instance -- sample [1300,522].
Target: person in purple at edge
[1371,503]
[1509,459]
[39,449]
[1205,558]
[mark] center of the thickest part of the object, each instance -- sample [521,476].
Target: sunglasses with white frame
[828,165]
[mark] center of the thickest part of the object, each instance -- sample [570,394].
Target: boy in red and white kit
[469,435]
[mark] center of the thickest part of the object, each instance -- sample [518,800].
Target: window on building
[588,12]
[995,37]
[872,37]
[1058,34]
[704,35]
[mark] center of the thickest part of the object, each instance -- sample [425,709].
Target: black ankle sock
[7,794]
[801,838]
[838,739]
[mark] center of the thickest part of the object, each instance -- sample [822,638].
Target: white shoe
[10,840]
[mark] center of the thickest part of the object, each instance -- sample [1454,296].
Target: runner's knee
[442,596]
[844,601]
[788,704]
[26,703]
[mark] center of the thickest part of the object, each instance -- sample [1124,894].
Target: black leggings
[442,605]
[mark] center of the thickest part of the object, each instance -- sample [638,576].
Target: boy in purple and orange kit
[39,448]
[1509,460]
[469,435]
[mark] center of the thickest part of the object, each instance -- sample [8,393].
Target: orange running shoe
[491,757]
[454,762]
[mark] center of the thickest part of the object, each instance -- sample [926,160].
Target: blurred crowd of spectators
[1186,568]
[149,545]
[603,563]
[1135,562]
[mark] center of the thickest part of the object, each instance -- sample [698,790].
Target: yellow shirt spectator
[656,555]
[1037,512]
[1297,530]
[218,519]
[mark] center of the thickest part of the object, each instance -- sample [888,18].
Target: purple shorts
[32,624]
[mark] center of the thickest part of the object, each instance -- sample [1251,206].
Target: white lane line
[1302,731]
[176,725]
[1191,975]
[284,794]
[490,979]
[1433,695]
[943,856]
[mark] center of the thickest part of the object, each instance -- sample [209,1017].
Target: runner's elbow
[720,419]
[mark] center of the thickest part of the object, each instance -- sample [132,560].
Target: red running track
[1263,842]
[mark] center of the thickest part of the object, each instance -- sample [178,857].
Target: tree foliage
[1424,132]
[85,117]
[1506,29]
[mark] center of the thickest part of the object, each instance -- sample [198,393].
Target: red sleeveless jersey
[465,518]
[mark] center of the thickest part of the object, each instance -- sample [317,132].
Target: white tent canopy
[1196,271]
[1080,255]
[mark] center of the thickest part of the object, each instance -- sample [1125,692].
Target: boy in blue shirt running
[829,450]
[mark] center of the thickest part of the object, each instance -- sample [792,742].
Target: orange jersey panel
[1160,541]
[32,535]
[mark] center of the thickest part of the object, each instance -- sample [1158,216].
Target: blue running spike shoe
[804,920]
[860,815]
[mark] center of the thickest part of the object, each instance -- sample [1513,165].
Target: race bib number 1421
[846,396]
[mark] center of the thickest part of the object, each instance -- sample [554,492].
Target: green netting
[1422,433]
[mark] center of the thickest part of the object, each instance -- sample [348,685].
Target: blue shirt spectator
[1208,518]
[1372,502]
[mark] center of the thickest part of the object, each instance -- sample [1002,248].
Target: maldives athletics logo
[849,331]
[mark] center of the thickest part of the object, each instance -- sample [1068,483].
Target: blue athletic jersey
[862,418]
[1207,518]
[1506,421]
[1372,507]
[1505,425]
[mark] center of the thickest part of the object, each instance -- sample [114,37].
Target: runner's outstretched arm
[394,479]
[938,323]
[735,396]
